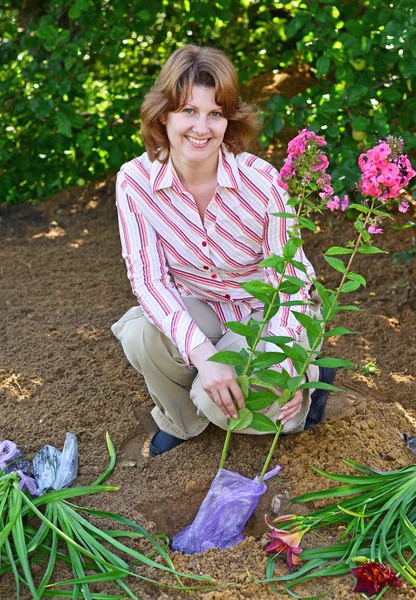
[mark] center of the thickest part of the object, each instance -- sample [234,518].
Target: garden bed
[63,283]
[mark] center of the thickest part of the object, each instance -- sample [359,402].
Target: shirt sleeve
[274,238]
[148,273]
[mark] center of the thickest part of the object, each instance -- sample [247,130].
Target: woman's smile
[201,143]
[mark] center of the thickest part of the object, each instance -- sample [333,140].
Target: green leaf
[63,124]
[331,362]
[350,307]
[285,215]
[319,385]
[371,250]
[77,8]
[310,324]
[322,66]
[299,266]
[240,328]
[294,382]
[262,423]
[358,278]
[296,352]
[291,247]
[323,294]
[268,359]
[258,400]
[47,32]
[295,280]
[278,339]
[350,286]
[338,250]
[277,262]
[289,288]
[275,377]
[335,263]
[245,417]
[244,383]
[227,357]
[335,331]
[258,289]
[263,385]
[305,222]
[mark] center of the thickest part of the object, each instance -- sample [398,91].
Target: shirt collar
[161,175]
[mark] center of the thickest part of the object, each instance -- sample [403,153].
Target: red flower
[373,577]
[286,542]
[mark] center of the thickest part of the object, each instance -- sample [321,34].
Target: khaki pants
[182,408]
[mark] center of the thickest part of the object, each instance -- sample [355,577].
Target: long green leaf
[19,540]
[110,468]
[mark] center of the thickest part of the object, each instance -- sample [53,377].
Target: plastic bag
[222,516]
[54,469]
[13,459]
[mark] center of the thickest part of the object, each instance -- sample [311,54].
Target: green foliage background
[73,74]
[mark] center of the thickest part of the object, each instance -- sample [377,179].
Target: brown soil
[63,283]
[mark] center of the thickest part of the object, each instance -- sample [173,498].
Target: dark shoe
[319,398]
[162,442]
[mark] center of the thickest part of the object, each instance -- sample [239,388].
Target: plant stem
[271,451]
[224,450]
[319,336]
[255,343]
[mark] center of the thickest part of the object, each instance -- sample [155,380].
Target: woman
[195,218]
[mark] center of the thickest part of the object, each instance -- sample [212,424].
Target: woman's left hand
[291,408]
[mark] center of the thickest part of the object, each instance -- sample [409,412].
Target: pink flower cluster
[385,173]
[306,164]
[337,204]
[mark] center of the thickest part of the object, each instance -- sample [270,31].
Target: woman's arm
[148,274]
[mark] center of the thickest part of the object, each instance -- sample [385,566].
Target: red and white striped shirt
[170,253]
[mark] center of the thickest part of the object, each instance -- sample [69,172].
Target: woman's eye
[190,109]
[216,113]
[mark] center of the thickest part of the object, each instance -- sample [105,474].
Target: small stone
[127,464]
[276,505]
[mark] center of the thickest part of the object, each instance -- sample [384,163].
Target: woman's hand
[218,380]
[291,408]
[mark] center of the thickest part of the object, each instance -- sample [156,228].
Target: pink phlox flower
[321,164]
[333,204]
[403,206]
[27,484]
[344,203]
[375,230]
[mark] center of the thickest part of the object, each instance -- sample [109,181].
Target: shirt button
[228,296]
[204,244]
[206,268]
[214,275]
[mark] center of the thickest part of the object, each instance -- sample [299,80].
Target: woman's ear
[162,119]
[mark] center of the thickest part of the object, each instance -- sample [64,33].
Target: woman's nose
[200,126]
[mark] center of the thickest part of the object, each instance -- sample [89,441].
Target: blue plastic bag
[54,469]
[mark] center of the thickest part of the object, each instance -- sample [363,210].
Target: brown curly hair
[207,67]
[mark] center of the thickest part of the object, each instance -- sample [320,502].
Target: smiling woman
[196,220]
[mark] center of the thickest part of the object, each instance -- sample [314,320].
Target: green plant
[88,548]
[302,175]
[378,520]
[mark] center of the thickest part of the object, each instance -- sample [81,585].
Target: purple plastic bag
[222,516]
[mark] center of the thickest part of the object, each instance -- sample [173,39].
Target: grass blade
[113,457]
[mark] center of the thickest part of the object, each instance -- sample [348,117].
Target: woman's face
[197,131]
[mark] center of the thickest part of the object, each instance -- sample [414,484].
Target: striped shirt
[170,253]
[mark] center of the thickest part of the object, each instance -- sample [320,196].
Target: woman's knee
[205,406]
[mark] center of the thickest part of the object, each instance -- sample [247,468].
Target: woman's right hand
[217,380]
